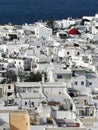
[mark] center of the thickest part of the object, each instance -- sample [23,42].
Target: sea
[30,11]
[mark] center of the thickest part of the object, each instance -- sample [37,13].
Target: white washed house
[7,89]
[43,32]
[29,94]
[28,87]
[21,63]
[31,100]
[69,51]
[52,88]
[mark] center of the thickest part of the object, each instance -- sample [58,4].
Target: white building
[68,22]
[21,63]
[31,100]
[53,88]
[28,87]
[43,32]
[29,94]
[69,51]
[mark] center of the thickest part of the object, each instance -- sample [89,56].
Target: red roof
[73,31]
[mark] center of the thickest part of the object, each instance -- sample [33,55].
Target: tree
[51,23]
[35,77]
[3,81]
[11,76]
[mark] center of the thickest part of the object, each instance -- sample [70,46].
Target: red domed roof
[73,31]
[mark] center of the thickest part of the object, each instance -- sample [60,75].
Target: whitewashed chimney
[18,79]
[51,76]
[43,78]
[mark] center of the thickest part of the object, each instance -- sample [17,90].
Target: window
[32,103]
[29,89]
[24,89]
[78,53]
[19,63]
[9,94]
[9,87]
[35,91]
[29,103]
[59,76]
[90,83]
[73,73]
[68,53]
[25,103]
[75,83]
[82,82]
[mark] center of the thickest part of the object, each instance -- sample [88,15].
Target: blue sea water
[29,11]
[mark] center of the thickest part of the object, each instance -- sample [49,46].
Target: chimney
[43,78]
[18,79]
[51,76]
